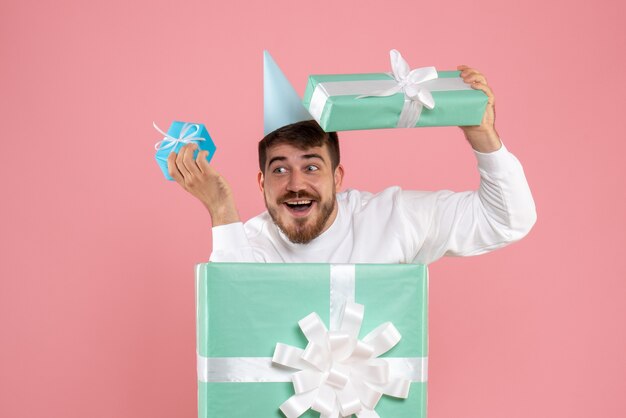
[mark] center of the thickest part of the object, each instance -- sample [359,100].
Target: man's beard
[303,234]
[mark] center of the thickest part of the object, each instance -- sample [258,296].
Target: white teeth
[299,202]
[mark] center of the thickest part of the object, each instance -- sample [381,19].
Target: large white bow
[340,375]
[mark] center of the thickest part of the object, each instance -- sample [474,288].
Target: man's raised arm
[200,179]
[501,211]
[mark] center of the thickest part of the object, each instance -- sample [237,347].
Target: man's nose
[296,182]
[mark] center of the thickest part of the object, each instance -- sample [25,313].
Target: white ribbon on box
[187,134]
[416,85]
[339,375]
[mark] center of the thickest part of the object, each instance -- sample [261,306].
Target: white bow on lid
[410,82]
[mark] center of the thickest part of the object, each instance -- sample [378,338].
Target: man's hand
[201,180]
[483,137]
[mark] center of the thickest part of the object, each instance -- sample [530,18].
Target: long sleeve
[230,244]
[501,211]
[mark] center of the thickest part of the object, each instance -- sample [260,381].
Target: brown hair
[302,135]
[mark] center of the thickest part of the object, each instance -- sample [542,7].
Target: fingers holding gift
[471,75]
[197,177]
[477,81]
[209,176]
[188,161]
[180,164]
[173,170]
[202,162]
[184,168]
[485,89]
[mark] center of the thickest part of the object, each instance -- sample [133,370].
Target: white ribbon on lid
[411,83]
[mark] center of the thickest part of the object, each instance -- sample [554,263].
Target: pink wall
[97,249]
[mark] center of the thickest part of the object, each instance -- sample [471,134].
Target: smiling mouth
[299,206]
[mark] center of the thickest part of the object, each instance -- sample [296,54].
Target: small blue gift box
[179,134]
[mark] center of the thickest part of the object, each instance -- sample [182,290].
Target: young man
[308,221]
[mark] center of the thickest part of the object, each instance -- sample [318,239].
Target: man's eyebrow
[303,157]
[276,159]
[309,156]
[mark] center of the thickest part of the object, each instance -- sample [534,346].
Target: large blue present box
[179,134]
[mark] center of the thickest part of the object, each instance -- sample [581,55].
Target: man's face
[299,187]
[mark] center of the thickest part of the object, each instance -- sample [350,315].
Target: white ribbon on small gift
[417,86]
[411,83]
[341,375]
[188,133]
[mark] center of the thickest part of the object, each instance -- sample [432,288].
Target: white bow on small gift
[410,82]
[188,134]
[341,375]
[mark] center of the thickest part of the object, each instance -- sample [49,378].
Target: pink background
[97,249]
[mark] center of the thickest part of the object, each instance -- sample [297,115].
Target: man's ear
[338,177]
[261,180]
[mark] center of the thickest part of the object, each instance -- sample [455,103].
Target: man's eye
[279,170]
[312,168]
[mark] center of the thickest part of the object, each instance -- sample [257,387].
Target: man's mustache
[297,196]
